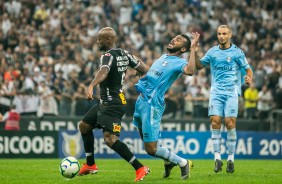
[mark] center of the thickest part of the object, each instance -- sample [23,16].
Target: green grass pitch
[41,171]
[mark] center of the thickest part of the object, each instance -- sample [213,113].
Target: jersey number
[122,77]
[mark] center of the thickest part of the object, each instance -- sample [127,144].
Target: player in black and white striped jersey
[107,114]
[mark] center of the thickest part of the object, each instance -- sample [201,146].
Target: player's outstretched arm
[100,77]
[189,69]
[199,65]
[142,69]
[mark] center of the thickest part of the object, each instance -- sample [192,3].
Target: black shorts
[106,117]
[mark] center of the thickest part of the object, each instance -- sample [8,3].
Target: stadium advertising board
[27,144]
[71,123]
[192,145]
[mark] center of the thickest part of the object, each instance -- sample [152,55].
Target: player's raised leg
[172,158]
[151,135]
[122,149]
[168,165]
[149,126]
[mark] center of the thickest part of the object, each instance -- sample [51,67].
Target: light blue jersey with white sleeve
[225,67]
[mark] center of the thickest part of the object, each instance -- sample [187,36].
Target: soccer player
[108,113]
[225,61]
[150,104]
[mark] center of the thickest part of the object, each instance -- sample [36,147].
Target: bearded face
[176,44]
[173,49]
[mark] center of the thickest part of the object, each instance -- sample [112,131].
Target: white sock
[216,139]
[183,162]
[230,157]
[231,143]
[217,156]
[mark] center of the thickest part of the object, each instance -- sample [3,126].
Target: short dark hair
[187,44]
[225,26]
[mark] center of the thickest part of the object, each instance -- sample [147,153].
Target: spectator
[26,84]
[62,34]
[6,24]
[277,98]
[47,103]
[13,7]
[264,103]
[46,59]
[40,15]
[8,89]
[136,38]
[251,98]
[125,13]
[188,106]
[79,101]
[11,73]
[66,101]
[206,91]
[73,79]
[198,103]
[57,90]
[273,77]
[259,77]
[171,105]
[38,76]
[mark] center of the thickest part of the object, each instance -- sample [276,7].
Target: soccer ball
[69,167]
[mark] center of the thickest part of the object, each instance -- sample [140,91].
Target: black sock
[126,154]
[88,142]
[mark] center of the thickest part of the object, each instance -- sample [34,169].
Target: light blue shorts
[223,105]
[147,116]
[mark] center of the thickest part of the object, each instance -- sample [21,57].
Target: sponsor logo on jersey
[155,72]
[107,54]
[116,127]
[232,111]
[223,68]
[164,63]
[122,58]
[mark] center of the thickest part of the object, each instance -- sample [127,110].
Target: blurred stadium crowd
[49,56]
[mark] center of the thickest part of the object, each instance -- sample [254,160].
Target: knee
[110,139]
[230,123]
[84,128]
[215,122]
[151,150]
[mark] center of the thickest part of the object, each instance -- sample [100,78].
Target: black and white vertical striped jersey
[117,60]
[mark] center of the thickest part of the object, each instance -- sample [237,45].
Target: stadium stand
[48,54]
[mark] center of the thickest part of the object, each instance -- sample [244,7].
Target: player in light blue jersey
[225,61]
[150,104]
